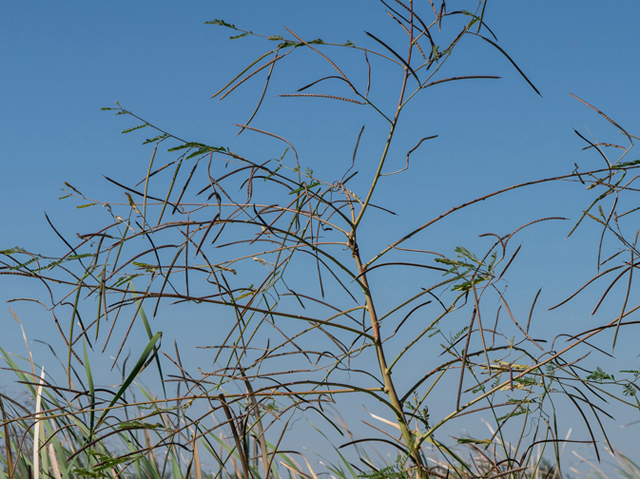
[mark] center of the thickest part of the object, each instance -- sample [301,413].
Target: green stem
[378,174]
[389,387]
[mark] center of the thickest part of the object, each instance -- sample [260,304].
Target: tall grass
[291,266]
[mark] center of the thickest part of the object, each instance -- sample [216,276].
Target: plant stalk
[389,387]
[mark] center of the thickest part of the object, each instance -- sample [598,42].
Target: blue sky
[62,62]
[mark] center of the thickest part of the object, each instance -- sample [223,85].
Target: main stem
[389,387]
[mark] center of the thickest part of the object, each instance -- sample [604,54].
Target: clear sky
[62,61]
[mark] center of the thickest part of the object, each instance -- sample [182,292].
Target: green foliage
[221,23]
[599,375]
[138,127]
